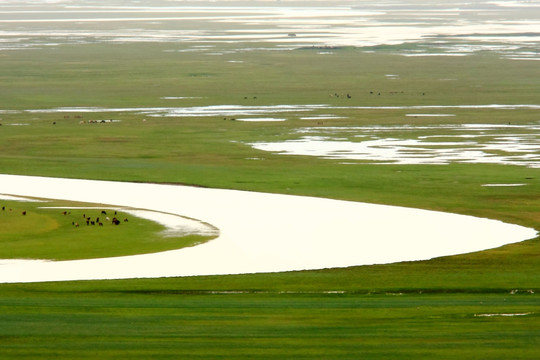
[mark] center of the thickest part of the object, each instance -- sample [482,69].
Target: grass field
[483,305]
[68,231]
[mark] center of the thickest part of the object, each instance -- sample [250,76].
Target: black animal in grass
[89,221]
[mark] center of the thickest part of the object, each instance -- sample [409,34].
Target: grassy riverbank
[54,230]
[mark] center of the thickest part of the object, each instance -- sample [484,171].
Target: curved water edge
[259,232]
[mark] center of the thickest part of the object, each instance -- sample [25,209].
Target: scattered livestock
[98,121]
[323,47]
[11,210]
[90,221]
[83,121]
[93,221]
[347,95]
[87,219]
[391,93]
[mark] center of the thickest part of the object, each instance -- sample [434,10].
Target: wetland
[177,77]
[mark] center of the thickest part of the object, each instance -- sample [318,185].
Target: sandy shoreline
[259,232]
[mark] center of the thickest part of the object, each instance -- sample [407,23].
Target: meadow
[481,305]
[67,231]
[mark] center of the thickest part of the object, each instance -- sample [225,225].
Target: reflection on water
[449,28]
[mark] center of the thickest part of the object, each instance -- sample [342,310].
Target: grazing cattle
[103,212]
[3,208]
[64,212]
[24,212]
[125,220]
[100,224]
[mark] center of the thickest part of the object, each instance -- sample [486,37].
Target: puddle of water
[474,143]
[262,119]
[217,110]
[502,185]
[502,314]
[430,115]
[180,97]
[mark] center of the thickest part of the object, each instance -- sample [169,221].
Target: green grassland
[39,230]
[408,310]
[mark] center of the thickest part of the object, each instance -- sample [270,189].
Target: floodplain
[156,93]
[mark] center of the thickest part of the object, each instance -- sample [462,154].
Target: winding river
[259,232]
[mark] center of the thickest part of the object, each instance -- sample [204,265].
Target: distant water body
[419,28]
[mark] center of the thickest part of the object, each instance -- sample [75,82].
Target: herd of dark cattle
[90,221]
